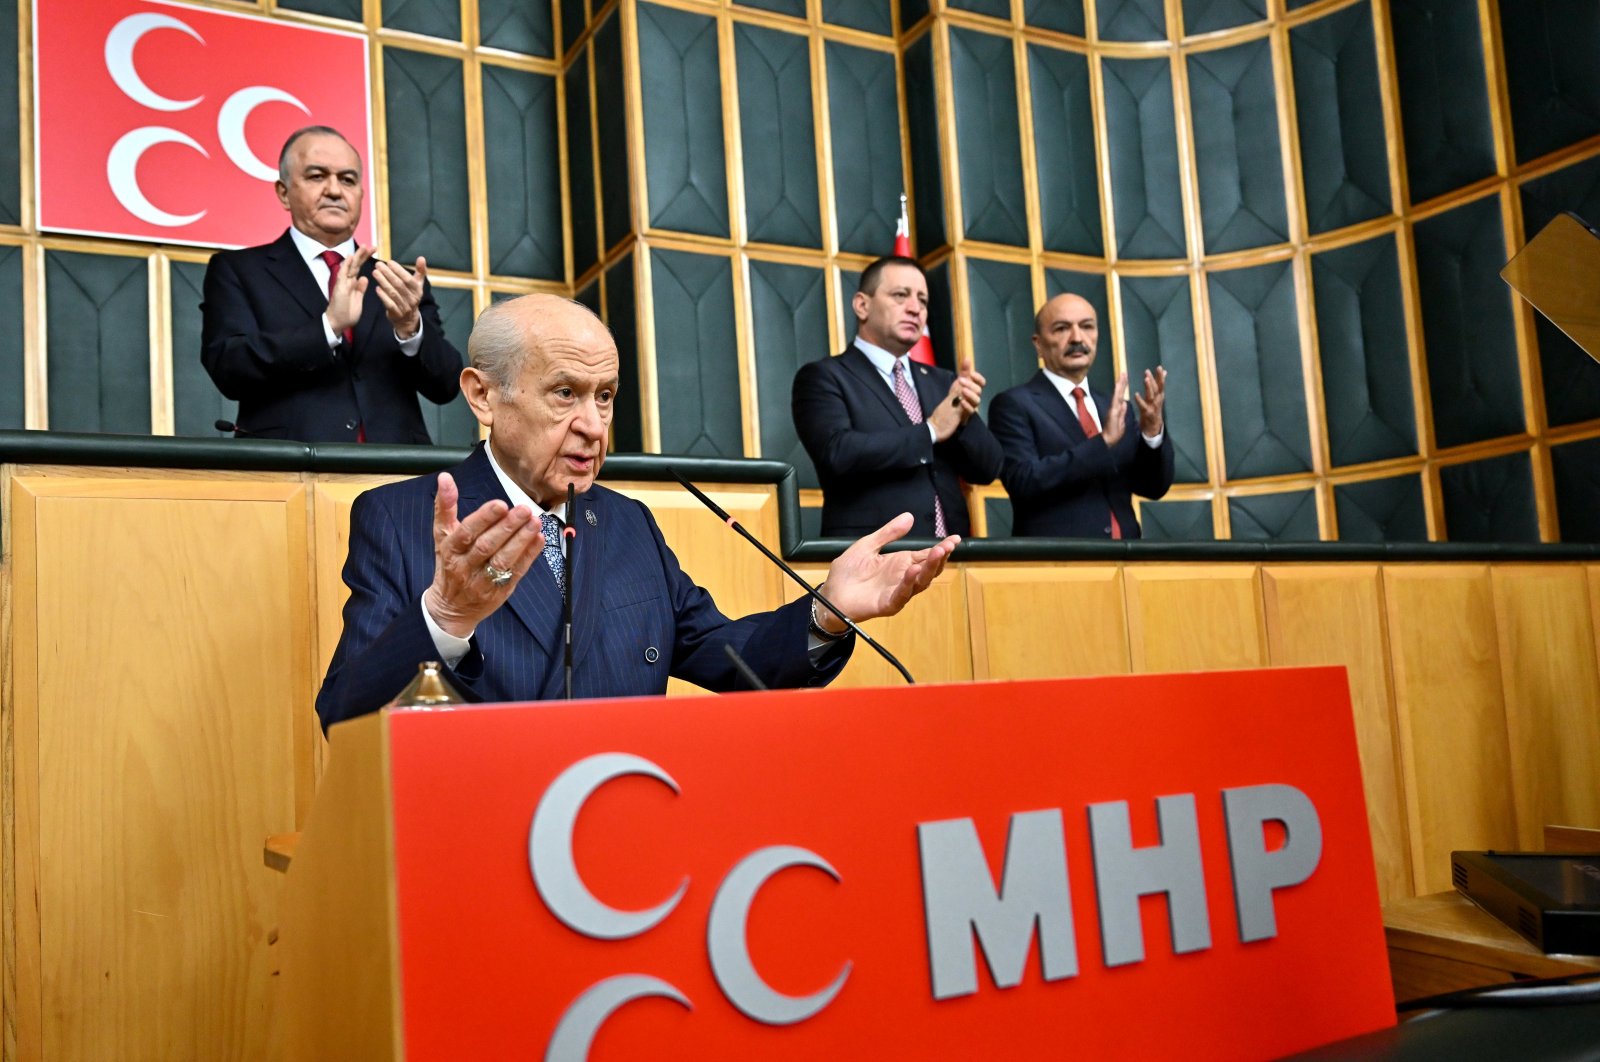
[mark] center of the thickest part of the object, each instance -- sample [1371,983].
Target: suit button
[351,424]
[651,656]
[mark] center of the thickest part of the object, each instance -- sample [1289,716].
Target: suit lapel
[856,363]
[372,310]
[928,393]
[289,270]
[1056,406]
[536,601]
[587,547]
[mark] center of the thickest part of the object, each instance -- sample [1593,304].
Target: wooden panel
[1194,617]
[1552,696]
[929,637]
[1454,752]
[332,497]
[1333,614]
[1046,622]
[163,763]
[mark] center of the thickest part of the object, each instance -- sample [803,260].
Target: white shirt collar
[310,249]
[517,495]
[881,359]
[1065,386]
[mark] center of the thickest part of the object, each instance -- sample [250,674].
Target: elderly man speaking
[468,566]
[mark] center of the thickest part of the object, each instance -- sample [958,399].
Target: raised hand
[1152,403]
[959,403]
[400,291]
[865,584]
[464,592]
[1116,420]
[348,290]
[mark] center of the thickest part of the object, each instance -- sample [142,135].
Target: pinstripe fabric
[637,617]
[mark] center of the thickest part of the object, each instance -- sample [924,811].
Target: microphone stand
[790,572]
[571,536]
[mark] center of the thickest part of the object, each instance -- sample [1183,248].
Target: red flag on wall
[923,351]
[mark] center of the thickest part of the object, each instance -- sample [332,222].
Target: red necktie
[1086,422]
[334,258]
[913,408]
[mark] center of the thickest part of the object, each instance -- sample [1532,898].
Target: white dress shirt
[1066,386]
[311,253]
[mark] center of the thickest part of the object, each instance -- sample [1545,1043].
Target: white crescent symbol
[123,162]
[575,1032]
[119,59]
[230,127]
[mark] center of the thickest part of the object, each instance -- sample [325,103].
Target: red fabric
[913,408]
[334,258]
[1086,422]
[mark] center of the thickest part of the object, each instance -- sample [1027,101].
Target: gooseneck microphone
[231,428]
[571,535]
[791,573]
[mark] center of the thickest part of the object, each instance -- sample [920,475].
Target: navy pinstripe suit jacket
[636,618]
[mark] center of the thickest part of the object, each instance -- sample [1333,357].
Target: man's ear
[859,305]
[283,193]
[476,387]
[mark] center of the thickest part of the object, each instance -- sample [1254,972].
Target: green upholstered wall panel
[1204,16]
[1490,500]
[13,410]
[1238,159]
[696,354]
[1256,338]
[616,202]
[1158,328]
[1444,95]
[523,26]
[1287,517]
[522,173]
[911,12]
[941,316]
[997,512]
[1091,286]
[992,8]
[428,198]
[1132,20]
[779,139]
[1069,177]
[1571,377]
[452,424]
[345,9]
[622,316]
[589,295]
[580,167]
[1550,48]
[1361,335]
[1180,520]
[789,316]
[848,279]
[1576,468]
[431,18]
[1466,325]
[196,403]
[1000,304]
[1381,510]
[1142,149]
[983,80]
[797,8]
[10,120]
[873,16]
[1063,16]
[868,177]
[927,179]
[1344,153]
[573,21]
[683,146]
[98,354]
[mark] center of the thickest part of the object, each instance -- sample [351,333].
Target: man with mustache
[315,338]
[469,566]
[1075,458]
[889,436]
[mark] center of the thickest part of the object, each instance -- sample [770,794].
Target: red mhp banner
[1153,866]
[162,121]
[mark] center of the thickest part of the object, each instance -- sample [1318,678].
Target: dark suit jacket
[636,616]
[874,464]
[263,344]
[1062,483]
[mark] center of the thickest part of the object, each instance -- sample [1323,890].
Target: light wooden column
[1194,617]
[1047,621]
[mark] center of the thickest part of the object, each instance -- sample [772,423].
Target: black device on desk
[1551,898]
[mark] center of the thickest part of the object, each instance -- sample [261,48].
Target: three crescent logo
[123,160]
[555,875]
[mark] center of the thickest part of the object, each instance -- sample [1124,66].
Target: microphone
[230,426]
[571,535]
[791,573]
[744,669]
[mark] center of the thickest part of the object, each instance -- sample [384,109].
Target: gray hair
[498,344]
[310,130]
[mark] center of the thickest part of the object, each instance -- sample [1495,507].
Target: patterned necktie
[913,408]
[1086,422]
[333,258]
[552,550]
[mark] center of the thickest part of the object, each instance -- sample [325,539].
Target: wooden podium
[1003,869]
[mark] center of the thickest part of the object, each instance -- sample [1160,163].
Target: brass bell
[428,689]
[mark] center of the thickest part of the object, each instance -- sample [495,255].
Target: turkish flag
[163,121]
[923,351]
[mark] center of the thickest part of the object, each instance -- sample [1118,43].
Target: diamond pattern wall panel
[1571,377]
[616,201]
[429,212]
[1366,372]
[580,167]
[779,152]
[1444,95]
[796,8]
[1142,145]
[789,315]
[992,8]
[849,280]
[1090,286]
[1466,325]
[872,16]
[912,12]
[1132,20]
[572,22]
[988,137]
[941,316]
[10,119]
[1490,500]
[867,173]
[1179,520]
[1550,48]
[1069,177]
[622,316]
[349,10]
[431,18]
[1238,158]
[13,410]
[518,26]
[1287,517]
[1158,329]
[1381,510]
[589,295]
[1000,302]
[97,355]
[695,354]
[1063,16]
[452,424]
[197,405]
[683,145]
[1206,16]
[1344,154]
[922,117]
[1256,337]
[1576,468]
[523,175]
